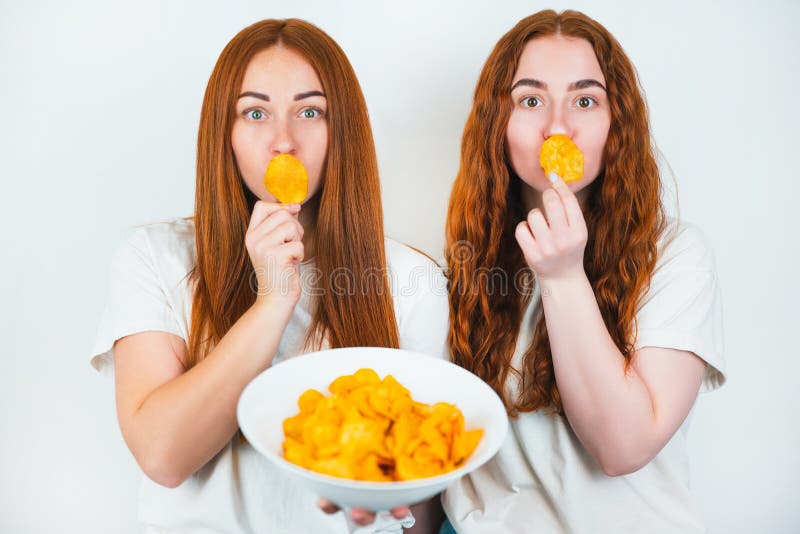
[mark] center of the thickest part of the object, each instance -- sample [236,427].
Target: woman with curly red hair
[594,315]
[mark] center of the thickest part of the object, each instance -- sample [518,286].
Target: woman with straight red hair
[594,316]
[199,306]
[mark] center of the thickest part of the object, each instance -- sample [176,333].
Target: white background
[99,105]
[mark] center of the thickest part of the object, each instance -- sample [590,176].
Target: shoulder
[164,247]
[684,246]
[419,293]
[172,235]
[407,265]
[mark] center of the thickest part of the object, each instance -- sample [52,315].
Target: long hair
[624,216]
[349,232]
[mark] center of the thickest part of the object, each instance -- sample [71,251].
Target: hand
[360,516]
[274,241]
[554,246]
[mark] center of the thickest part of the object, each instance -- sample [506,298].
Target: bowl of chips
[372,427]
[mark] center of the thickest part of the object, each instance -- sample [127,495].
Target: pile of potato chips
[371,429]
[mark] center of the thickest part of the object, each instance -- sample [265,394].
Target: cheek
[519,144]
[523,142]
[243,144]
[594,149]
[518,133]
[237,143]
[250,161]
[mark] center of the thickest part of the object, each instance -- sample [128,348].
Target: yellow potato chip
[308,400]
[286,179]
[366,376]
[371,429]
[297,453]
[337,466]
[293,427]
[343,384]
[408,468]
[375,469]
[465,445]
[563,157]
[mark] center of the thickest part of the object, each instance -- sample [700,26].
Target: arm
[174,421]
[622,418]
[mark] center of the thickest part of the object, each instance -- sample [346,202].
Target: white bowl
[272,397]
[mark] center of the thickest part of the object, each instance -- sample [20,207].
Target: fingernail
[553,177]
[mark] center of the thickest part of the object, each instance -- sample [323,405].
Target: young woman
[199,306]
[599,357]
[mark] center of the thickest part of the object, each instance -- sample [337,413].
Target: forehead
[556,59]
[277,68]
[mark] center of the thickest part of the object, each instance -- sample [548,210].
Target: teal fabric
[447,527]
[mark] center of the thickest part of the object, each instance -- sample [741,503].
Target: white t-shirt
[544,481]
[239,491]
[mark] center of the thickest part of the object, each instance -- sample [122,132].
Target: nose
[557,123]
[283,141]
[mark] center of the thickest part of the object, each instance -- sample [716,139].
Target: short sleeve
[683,307]
[137,299]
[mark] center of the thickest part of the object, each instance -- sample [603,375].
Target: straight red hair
[349,231]
[624,217]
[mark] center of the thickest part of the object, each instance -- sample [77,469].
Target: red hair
[624,216]
[349,231]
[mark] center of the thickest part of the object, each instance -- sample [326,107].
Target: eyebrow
[580,84]
[298,96]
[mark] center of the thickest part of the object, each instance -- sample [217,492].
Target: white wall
[99,103]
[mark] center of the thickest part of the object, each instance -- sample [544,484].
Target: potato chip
[371,429]
[286,179]
[563,157]
[308,400]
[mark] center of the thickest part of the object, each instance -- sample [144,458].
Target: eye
[531,102]
[586,102]
[311,113]
[255,114]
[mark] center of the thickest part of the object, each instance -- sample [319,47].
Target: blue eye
[255,114]
[531,102]
[586,102]
[311,113]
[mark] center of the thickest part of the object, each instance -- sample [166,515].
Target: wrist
[276,302]
[551,284]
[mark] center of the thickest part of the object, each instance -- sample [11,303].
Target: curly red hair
[624,215]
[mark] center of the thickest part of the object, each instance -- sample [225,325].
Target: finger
[294,250]
[327,506]
[400,512]
[572,207]
[273,223]
[555,211]
[362,517]
[288,231]
[262,210]
[527,243]
[285,233]
[540,231]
